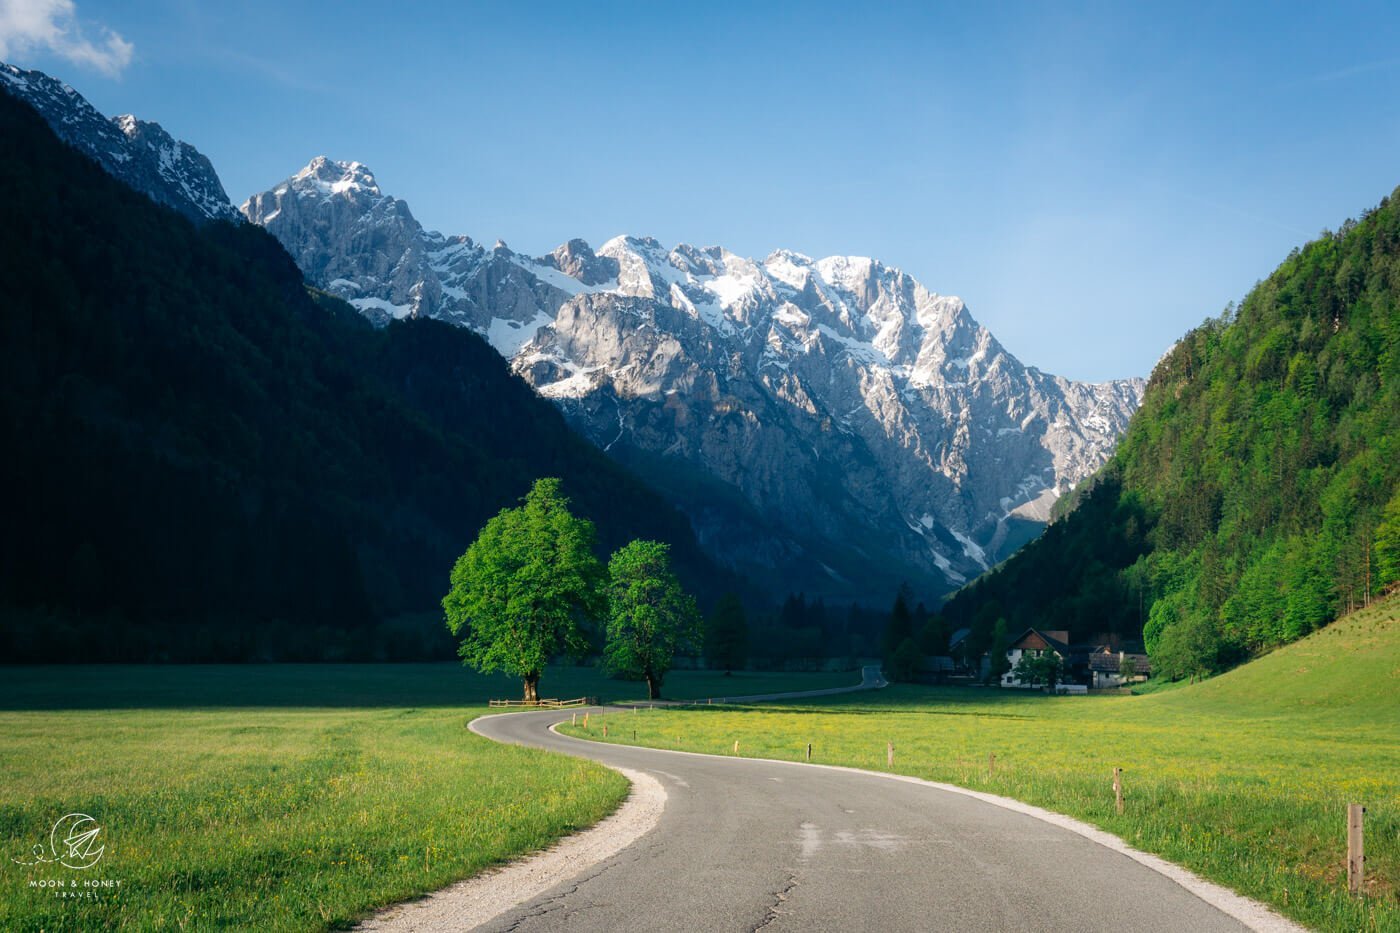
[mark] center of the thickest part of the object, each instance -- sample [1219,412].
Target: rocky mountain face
[141,154]
[828,425]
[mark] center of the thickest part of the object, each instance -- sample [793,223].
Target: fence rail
[546,704]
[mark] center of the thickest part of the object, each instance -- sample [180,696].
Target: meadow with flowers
[283,797]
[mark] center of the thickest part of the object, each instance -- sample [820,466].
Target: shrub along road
[747,844]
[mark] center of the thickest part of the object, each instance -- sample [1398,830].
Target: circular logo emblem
[74,841]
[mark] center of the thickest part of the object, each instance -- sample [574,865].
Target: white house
[1034,642]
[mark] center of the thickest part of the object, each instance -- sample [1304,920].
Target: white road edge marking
[1253,914]
[485,896]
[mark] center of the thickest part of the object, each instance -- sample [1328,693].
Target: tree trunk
[532,687]
[653,686]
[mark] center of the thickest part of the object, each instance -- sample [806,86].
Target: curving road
[750,845]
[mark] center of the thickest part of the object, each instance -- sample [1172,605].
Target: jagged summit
[331,177]
[866,427]
[141,154]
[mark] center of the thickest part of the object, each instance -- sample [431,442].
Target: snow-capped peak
[330,177]
[140,154]
[836,388]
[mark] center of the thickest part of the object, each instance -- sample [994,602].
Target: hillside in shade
[207,460]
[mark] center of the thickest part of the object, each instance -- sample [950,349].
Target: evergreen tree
[727,635]
[901,622]
[998,662]
[905,662]
[933,637]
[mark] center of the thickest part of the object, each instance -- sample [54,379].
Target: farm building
[1109,668]
[1034,642]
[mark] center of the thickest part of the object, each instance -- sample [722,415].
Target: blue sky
[1093,179]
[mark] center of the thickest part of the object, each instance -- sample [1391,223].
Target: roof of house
[958,636]
[1035,639]
[1112,660]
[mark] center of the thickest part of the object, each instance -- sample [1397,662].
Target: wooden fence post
[736,746]
[585,720]
[574,721]
[809,751]
[1118,789]
[889,754]
[605,730]
[1356,850]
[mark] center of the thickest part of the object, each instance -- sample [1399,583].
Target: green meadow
[284,797]
[1243,778]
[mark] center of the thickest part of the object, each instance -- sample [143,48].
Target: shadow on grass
[106,687]
[224,686]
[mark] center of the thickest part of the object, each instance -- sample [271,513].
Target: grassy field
[283,797]
[1244,778]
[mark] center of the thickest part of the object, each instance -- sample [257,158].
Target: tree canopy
[526,588]
[650,616]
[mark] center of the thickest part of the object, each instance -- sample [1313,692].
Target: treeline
[809,634]
[1254,496]
[205,461]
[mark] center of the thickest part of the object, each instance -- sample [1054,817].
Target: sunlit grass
[283,797]
[1244,779]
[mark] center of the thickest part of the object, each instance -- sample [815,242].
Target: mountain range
[206,460]
[829,425]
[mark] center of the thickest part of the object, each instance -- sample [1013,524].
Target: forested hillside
[205,461]
[1254,496]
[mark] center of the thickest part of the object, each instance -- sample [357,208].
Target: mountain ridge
[139,153]
[208,461]
[863,416]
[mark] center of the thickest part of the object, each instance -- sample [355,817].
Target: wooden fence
[546,704]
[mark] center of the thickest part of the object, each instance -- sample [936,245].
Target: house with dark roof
[1034,642]
[1109,668]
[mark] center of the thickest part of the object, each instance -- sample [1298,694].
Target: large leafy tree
[526,588]
[727,635]
[649,616]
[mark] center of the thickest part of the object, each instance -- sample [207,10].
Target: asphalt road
[750,845]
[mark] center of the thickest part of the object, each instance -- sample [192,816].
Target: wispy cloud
[53,25]
[1346,73]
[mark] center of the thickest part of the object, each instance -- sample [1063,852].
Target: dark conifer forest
[205,460]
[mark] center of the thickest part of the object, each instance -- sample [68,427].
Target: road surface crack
[557,902]
[775,910]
